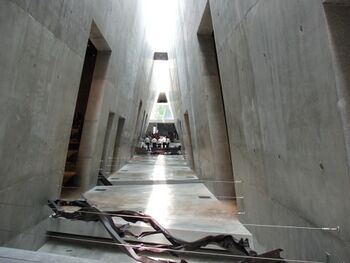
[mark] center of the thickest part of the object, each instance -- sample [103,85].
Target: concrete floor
[162,187]
[154,170]
[183,204]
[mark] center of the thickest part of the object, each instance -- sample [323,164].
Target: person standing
[147,142]
[164,142]
[167,142]
[160,141]
[154,143]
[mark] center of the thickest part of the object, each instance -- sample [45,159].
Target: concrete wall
[41,59]
[284,83]
[196,92]
[284,116]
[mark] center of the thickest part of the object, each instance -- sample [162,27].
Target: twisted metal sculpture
[86,212]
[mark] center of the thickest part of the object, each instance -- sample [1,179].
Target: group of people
[162,142]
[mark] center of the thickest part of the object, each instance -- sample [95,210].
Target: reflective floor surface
[165,188]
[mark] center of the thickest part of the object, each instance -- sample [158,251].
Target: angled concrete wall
[42,55]
[196,92]
[284,117]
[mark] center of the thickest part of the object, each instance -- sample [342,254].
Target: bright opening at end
[162,112]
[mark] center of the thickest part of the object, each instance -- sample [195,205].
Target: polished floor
[163,187]
[142,185]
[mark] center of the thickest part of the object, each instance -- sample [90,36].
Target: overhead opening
[162,98]
[160,56]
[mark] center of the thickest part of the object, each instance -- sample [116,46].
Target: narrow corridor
[96,96]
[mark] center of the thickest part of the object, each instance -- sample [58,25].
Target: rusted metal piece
[273,256]
[89,213]
[86,212]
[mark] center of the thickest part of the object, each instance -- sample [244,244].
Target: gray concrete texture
[284,77]
[285,96]
[41,60]
[197,92]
